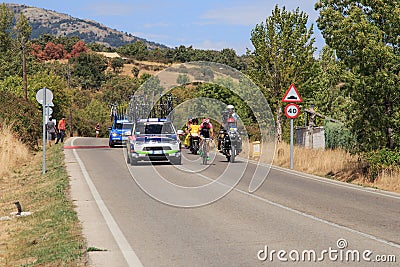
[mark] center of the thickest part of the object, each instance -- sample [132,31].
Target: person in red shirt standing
[61,130]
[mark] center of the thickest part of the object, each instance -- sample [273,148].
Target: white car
[153,140]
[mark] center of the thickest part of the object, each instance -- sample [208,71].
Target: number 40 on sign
[292,111]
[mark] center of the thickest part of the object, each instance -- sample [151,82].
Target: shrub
[23,115]
[337,136]
[382,160]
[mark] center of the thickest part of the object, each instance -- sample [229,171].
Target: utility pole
[24,77]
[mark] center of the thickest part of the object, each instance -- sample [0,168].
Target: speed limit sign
[292,111]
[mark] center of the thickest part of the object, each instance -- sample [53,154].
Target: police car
[153,139]
[119,132]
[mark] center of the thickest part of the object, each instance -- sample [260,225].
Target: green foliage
[337,136]
[117,64]
[182,79]
[23,115]
[135,71]
[372,55]
[23,29]
[381,159]
[118,89]
[327,89]
[6,17]
[86,119]
[137,50]
[277,60]
[100,47]
[88,70]
[36,82]
[221,92]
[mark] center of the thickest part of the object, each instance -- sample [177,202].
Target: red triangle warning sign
[292,95]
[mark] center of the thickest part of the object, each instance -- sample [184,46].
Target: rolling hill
[45,21]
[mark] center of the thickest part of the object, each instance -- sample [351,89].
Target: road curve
[292,217]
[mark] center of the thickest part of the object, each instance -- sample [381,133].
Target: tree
[135,71]
[283,55]
[88,70]
[119,89]
[54,51]
[327,89]
[23,34]
[183,54]
[137,50]
[6,16]
[117,64]
[79,47]
[372,53]
[228,57]
[182,79]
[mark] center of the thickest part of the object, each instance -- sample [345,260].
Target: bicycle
[204,154]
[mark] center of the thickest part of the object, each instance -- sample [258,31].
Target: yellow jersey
[194,129]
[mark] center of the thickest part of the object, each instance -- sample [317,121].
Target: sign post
[45,97]
[292,111]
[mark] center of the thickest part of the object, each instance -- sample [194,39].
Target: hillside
[50,22]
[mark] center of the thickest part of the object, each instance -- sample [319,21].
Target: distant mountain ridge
[45,21]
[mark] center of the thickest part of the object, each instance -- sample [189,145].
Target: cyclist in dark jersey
[206,131]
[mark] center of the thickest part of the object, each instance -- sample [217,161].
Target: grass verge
[52,235]
[335,164]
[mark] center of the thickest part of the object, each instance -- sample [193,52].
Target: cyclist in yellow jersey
[194,130]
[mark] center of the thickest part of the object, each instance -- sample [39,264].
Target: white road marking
[380,240]
[129,254]
[340,184]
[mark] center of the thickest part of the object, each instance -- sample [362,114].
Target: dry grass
[12,152]
[335,164]
[51,236]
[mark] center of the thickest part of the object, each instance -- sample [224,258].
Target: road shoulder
[95,229]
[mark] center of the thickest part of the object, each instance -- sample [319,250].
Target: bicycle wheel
[205,153]
[233,154]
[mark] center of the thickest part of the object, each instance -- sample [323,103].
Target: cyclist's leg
[201,145]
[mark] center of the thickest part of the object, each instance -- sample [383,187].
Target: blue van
[119,132]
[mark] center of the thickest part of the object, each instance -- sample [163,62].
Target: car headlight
[114,134]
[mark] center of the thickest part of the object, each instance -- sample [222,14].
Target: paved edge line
[314,218]
[129,254]
[380,240]
[325,180]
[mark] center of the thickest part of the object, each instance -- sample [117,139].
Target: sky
[203,24]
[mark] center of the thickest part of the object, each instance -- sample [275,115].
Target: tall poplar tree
[283,55]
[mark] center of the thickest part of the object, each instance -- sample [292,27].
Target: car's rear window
[154,128]
[123,126]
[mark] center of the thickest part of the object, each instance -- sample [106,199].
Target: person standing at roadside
[51,130]
[61,129]
[97,129]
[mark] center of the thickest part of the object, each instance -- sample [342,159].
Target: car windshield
[123,126]
[154,128]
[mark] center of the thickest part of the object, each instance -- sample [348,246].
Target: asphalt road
[291,218]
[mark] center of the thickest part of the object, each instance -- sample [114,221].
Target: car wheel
[128,158]
[176,161]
